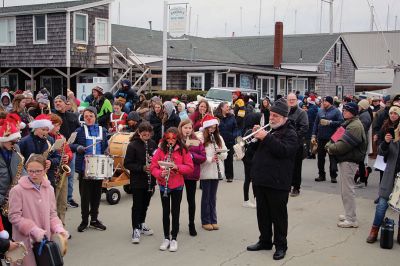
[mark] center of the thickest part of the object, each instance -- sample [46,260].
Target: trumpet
[250,138]
[241,142]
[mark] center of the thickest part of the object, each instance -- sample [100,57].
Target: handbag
[47,253]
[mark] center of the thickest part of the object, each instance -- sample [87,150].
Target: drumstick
[92,145]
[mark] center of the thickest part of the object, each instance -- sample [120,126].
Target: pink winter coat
[183,162]
[31,209]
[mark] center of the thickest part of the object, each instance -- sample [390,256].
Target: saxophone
[63,170]
[5,207]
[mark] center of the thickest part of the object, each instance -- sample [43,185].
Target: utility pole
[165,45]
[341,16]
[295,20]
[119,13]
[395,23]
[241,20]
[372,19]
[331,17]
[320,18]
[259,20]
[387,19]
[190,19]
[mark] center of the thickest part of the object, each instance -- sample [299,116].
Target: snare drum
[98,167]
[394,198]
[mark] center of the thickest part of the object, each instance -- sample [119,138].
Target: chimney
[278,44]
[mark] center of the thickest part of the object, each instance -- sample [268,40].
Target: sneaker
[342,217]
[295,192]
[173,246]
[136,236]
[333,180]
[320,179]
[215,226]
[359,184]
[164,244]
[96,224]
[146,230]
[248,204]
[207,227]
[347,224]
[82,227]
[72,204]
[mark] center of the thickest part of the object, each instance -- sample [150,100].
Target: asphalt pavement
[313,238]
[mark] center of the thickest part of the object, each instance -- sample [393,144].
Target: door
[54,84]
[102,41]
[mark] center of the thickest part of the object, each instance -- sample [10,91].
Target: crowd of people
[176,143]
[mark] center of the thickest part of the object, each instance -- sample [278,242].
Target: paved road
[314,238]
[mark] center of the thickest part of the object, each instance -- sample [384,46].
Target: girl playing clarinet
[211,170]
[137,161]
[170,180]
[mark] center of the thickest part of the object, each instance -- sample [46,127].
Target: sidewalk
[313,239]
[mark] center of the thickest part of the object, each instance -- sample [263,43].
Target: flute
[217,159]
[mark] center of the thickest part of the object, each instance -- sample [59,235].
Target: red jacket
[183,162]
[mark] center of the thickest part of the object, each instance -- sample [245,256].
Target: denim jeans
[71,178]
[209,201]
[128,107]
[380,211]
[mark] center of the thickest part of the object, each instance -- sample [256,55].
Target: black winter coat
[299,119]
[70,123]
[135,160]
[228,129]
[273,161]
[156,123]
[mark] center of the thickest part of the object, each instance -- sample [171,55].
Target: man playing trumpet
[272,168]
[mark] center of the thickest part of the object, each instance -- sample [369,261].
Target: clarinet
[147,163]
[217,160]
[165,195]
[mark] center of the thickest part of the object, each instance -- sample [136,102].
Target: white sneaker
[347,224]
[136,236]
[173,246]
[164,244]
[146,230]
[248,204]
[342,217]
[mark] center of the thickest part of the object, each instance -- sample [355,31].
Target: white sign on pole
[177,21]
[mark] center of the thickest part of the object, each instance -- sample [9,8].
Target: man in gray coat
[299,119]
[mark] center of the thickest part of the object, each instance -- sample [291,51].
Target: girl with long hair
[198,153]
[171,182]
[210,171]
[156,117]
[203,108]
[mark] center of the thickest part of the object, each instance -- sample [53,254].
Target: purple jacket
[198,154]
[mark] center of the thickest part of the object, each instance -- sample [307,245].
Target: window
[298,84]
[40,29]
[266,87]
[101,32]
[10,81]
[338,53]
[231,80]
[7,32]
[81,28]
[195,81]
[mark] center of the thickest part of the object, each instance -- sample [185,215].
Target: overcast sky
[222,17]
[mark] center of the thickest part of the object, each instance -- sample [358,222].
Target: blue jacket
[33,144]
[81,141]
[228,129]
[312,115]
[325,132]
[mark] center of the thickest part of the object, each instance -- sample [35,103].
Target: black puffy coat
[273,161]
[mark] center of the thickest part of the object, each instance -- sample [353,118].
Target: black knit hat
[133,115]
[351,107]
[280,107]
[329,99]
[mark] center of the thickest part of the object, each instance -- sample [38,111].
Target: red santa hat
[311,99]
[208,121]
[16,119]
[40,121]
[8,132]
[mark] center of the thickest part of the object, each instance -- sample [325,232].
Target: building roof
[146,42]
[300,48]
[369,49]
[49,7]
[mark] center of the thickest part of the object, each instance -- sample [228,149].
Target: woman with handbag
[33,213]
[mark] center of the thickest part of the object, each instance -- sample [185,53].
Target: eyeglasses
[35,172]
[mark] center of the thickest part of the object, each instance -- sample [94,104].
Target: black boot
[192,230]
